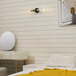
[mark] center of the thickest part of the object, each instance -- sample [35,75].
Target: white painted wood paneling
[38,34]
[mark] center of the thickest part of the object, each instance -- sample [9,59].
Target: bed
[57,65]
[62,70]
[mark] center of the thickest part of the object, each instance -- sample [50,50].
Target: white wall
[72,3]
[38,34]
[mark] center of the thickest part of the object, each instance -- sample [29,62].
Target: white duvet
[55,60]
[35,69]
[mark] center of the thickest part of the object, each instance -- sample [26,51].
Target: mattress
[37,69]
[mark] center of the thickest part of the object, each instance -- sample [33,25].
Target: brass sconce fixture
[36,10]
[72,10]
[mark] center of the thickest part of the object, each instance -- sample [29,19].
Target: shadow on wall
[30,58]
[74,19]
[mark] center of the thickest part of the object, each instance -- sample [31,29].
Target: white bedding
[61,60]
[35,69]
[69,63]
[25,72]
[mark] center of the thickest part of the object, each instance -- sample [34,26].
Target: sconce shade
[72,10]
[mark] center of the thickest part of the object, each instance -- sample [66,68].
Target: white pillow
[59,60]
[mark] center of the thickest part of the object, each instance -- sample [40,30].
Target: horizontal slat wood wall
[72,3]
[38,34]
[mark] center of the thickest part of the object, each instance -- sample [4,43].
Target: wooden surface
[12,65]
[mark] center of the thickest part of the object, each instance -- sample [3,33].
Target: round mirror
[7,40]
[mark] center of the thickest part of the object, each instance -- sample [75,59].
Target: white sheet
[27,71]
[35,69]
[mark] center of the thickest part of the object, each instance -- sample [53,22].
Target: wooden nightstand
[13,61]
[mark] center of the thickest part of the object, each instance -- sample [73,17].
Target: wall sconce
[72,10]
[36,10]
